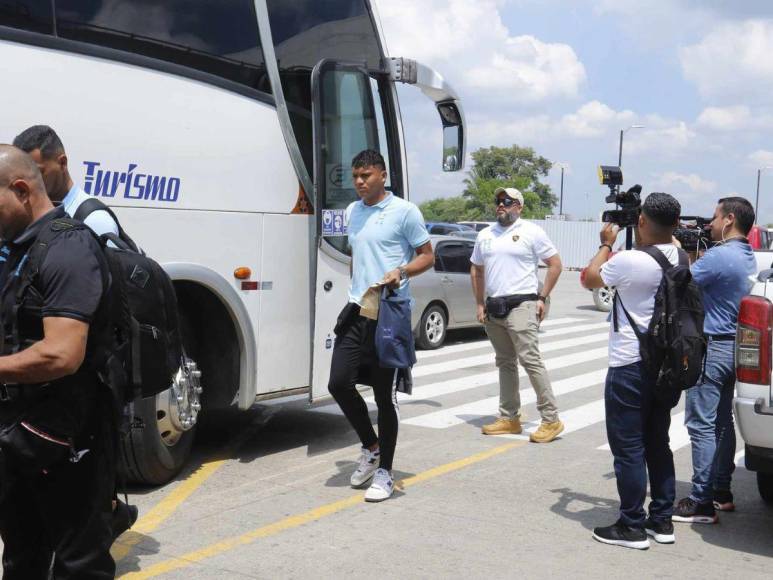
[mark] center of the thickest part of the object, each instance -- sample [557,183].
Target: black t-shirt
[69,281]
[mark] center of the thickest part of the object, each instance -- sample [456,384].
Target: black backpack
[146,345]
[673,347]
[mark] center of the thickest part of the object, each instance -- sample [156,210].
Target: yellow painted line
[163,509]
[313,515]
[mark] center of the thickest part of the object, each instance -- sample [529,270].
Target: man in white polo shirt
[505,284]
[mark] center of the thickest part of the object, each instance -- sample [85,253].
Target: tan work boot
[546,432]
[503,426]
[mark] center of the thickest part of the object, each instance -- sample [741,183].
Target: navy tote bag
[394,336]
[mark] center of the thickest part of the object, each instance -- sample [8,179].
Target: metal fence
[576,242]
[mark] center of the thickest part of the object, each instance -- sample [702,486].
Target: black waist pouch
[47,433]
[501,306]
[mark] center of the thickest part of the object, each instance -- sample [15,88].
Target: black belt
[721,336]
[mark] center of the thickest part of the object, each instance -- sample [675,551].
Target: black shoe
[618,534]
[660,531]
[723,500]
[690,511]
[124,516]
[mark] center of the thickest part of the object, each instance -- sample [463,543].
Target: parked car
[754,399]
[443,228]
[443,298]
[477,226]
[760,238]
[466,234]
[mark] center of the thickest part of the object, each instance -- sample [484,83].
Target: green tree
[514,166]
[494,167]
[444,209]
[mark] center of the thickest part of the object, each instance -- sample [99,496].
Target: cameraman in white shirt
[637,417]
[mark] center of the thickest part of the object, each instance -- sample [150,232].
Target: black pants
[65,513]
[354,362]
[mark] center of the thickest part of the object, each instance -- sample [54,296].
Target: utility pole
[561,202]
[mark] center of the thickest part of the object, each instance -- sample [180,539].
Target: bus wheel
[432,328]
[159,442]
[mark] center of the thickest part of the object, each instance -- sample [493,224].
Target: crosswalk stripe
[485,407]
[491,377]
[457,348]
[573,419]
[488,358]
[677,434]
[559,321]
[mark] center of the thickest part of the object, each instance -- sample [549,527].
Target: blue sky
[565,77]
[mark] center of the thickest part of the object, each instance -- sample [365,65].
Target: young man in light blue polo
[390,244]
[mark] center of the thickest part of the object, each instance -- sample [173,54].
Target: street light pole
[757,200]
[620,148]
[561,202]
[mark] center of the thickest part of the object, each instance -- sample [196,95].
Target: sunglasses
[506,201]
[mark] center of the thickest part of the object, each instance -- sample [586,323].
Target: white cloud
[595,119]
[761,158]
[732,61]
[528,70]
[725,118]
[672,181]
[469,36]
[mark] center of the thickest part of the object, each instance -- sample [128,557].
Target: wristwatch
[542,298]
[403,273]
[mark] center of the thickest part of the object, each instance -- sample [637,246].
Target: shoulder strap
[657,255]
[93,204]
[635,328]
[88,207]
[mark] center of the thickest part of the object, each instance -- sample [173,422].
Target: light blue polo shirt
[723,277]
[99,220]
[382,237]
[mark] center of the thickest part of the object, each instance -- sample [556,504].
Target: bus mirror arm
[434,86]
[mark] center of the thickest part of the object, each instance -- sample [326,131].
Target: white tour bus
[223,133]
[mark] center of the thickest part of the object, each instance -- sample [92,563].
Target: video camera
[694,233]
[629,201]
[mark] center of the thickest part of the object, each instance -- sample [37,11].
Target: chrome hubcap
[177,408]
[435,327]
[606,295]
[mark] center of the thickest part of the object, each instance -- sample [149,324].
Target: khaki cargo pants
[515,340]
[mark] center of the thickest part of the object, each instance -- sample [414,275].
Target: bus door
[347,119]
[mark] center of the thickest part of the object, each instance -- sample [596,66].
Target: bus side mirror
[453,136]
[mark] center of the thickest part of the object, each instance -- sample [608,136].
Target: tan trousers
[515,340]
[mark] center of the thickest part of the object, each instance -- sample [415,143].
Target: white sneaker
[382,487]
[366,468]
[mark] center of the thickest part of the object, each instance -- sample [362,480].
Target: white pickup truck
[754,398]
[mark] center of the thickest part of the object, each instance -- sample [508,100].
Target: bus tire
[160,438]
[148,458]
[432,328]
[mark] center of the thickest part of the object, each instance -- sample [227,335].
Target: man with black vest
[57,422]
[46,149]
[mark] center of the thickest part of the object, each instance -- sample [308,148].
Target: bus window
[33,15]
[348,124]
[307,31]
[220,38]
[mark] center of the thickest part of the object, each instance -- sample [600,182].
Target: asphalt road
[267,494]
